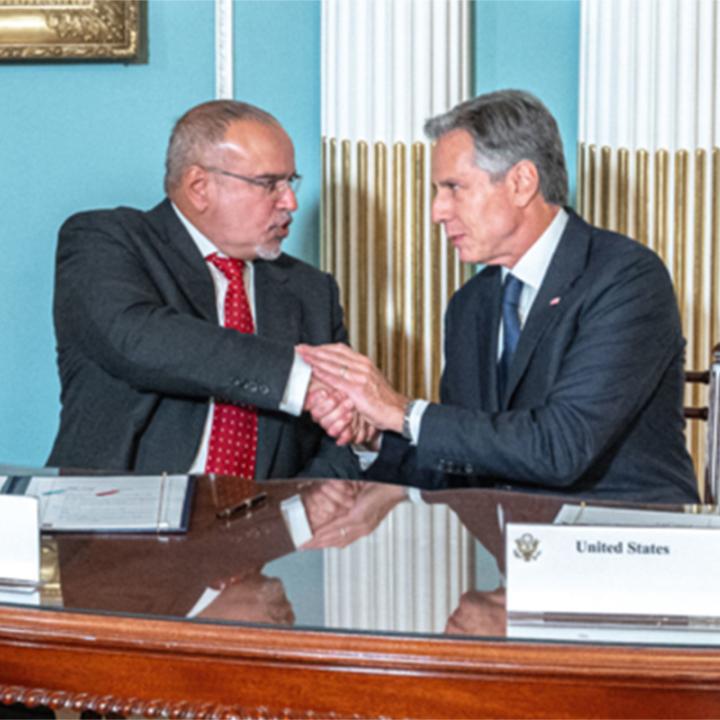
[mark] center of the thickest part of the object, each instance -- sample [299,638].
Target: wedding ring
[343,371]
[343,531]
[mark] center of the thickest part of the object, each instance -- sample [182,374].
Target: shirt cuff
[296,519]
[416,415]
[364,457]
[415,495]
[296,388]
[208,596]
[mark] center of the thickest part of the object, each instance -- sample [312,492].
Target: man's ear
[524,182]
[195,186]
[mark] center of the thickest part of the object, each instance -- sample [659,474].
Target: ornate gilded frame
[33,30]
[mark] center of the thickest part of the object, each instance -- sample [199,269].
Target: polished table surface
[395,609]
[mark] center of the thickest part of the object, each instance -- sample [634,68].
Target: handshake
[349,397]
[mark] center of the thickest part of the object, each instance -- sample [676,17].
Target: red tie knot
[232,268]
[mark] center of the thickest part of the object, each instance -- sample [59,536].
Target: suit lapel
[488,330]
[181,255]
[470,375]
[565,268]
[277,317]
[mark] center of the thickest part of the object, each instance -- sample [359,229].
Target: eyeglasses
[271,184]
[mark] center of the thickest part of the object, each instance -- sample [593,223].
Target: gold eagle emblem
[526,547]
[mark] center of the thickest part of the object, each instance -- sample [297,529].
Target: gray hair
[202,128]
[508,126]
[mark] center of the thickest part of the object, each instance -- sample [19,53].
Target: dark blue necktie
[511,329]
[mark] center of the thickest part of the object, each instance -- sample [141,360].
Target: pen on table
[243,506]
[104,493]
[54,492]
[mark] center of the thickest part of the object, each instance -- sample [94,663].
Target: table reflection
[376,561]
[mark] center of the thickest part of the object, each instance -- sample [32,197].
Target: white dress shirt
[299,379]
[532,266]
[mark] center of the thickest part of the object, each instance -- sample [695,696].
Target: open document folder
[151,503]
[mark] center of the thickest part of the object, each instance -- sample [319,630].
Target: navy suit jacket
[140,351]
[593,403]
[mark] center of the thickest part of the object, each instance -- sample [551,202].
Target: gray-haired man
[563,357]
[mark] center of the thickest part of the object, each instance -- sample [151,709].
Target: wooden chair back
[711,414]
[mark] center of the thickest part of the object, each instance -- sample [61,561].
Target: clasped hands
[342,511]
[349,397]
[351,400]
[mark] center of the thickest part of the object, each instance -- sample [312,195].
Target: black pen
[244,506]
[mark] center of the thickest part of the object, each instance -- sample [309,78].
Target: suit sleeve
[623,337]
[119,315]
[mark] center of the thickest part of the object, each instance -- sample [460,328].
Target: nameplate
[627,573]
[19,550]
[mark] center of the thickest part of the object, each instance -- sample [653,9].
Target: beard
[271,251]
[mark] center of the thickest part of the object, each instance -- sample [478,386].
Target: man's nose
[286,199]
[439,209]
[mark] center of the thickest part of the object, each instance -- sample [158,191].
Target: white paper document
[157,503]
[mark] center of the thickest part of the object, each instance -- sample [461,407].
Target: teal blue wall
[277,66]
[86,135]
[77,136]
[532,45]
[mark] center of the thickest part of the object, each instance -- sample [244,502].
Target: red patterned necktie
[233,438]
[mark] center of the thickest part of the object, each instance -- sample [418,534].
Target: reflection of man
[176,327]
[479,613]
[253,598]
[564,356]
[213,571]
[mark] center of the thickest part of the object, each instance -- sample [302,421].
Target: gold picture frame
[32,30]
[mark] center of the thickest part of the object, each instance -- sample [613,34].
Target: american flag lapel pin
[555,301]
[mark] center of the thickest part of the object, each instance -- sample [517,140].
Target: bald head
[234,178]
[197,135]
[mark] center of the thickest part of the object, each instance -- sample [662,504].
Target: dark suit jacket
[140,351]
[593,404]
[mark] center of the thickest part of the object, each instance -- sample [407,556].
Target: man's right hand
[336,414]
[331,410]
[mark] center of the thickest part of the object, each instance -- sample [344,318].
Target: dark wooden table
[122,643]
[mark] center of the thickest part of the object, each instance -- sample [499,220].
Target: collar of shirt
[533,265]
[206,247]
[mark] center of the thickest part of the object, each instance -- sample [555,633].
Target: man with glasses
[176,328]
